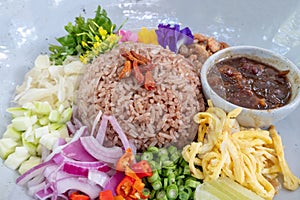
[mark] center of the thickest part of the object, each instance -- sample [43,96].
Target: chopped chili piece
[142,169]
[149,81]
[106,195]
[126,71]
[133,61]
[137,73]
[78,196]
[141,58]
[125,160]
[125,187]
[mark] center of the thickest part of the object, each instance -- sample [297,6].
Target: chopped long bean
[171,177]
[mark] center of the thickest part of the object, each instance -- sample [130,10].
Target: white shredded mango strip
[251,157]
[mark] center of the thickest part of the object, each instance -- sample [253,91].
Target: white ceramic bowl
[254,117]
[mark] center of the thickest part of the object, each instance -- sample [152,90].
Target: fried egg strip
[252,157]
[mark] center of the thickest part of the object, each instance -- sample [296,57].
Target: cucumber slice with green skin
[214,191]
[12,133]
[238,189]
[7,147]
[28,164]
[15,159]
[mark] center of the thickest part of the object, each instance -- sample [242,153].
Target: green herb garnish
[87,38]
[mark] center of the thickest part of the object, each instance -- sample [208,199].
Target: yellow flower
[97,38]
[102,32]
[84,44]
[96,44]
[147,36]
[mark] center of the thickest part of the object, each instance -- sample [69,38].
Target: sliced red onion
[71,128]
[36,180]
[102,130]
[35,188]
[77,135]
[119,130]
[83,170]
[97,119]
[77,151]
[33,172]
[105,154]
[80,184]
[98,177]
[114,181]
[44,193]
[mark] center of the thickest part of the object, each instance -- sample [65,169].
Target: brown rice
[158,117]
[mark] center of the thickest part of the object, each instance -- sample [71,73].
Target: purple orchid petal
[172,37]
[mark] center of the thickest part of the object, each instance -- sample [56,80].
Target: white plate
[29,26]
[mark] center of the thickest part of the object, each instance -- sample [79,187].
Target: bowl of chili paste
[265,84]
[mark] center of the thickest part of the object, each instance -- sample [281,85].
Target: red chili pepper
[125,160]
[125,187]
[106,195]
[142,169]
[78,196]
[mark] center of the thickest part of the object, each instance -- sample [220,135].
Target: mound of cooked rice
[148,118]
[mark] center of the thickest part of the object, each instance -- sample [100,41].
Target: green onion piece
[152,149]
[172,191]
[172,178]
[157,185]
[161,195]
[154,177]
[191,183]
[147,156]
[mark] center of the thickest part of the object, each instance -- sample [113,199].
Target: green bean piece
[175,156]
[191,183]
[152,149]
[153,194]
[172,149]
[180,182]
[165,183]
[147,156]
[172,191]
[154,177]
[183,195]
[186,170]
[154,165]
[172,178]
[146,192]
[138,157]
[163,151]
[168,164]
[163,157]
[157,185]
[185,192]
[161,195]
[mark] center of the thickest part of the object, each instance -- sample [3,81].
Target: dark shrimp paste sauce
[249,83]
